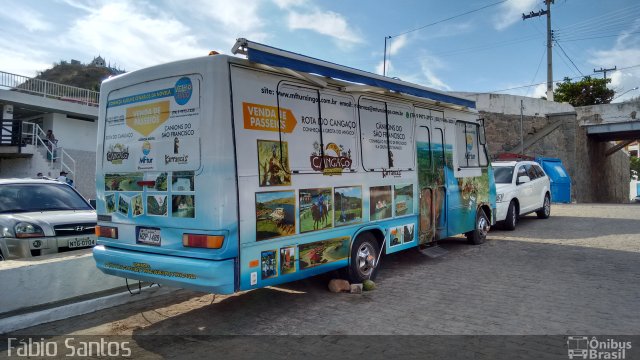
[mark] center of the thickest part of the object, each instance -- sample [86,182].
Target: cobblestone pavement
[577,272]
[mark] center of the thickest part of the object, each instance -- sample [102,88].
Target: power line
[598,37]
[384,60]
[538,68]
[565,61]
[565,54]
[450,18]
[613,15]
[575,77]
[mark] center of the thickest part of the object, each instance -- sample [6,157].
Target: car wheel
[478,235]
[1,257]
[364,259]
[512,217]
[545,212]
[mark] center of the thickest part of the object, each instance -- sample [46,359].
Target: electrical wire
[537,69]
[564,61]
[565,54]
[598,37]
[572,78]
[450,18]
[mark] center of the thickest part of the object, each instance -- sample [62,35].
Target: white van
[223,174]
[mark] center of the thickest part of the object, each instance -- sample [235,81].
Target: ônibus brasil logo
[583,347]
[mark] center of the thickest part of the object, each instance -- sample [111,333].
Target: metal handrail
[48,89]
[36,136]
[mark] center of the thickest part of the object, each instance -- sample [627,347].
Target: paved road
[575,273]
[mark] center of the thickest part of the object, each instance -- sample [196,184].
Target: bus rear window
[153,126]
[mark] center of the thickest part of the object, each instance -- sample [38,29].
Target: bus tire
[478,235]
[364,255]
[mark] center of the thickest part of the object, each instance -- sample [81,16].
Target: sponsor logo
[177,159]
[329,164]
[469,142]
[394,173]
[146,160]
[117,153]
[183,90]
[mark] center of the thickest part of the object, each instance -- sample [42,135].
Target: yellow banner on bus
[146,118]
[263,117]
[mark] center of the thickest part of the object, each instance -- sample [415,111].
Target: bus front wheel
[478,235]
[364,259]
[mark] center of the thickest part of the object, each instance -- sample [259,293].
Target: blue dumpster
[560,180]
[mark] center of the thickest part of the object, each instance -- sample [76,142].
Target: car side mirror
[523,179]
[92,202]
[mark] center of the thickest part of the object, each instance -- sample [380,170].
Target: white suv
[39,217]
[522,187]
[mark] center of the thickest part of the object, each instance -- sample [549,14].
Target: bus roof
[271,56]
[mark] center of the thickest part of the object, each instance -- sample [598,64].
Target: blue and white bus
[226,173]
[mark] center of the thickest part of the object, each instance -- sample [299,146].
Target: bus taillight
[107,231]
[203,241]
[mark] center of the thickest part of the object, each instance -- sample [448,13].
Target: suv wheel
[545,211]
[512,217]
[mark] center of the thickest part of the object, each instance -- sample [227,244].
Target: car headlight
[499,197]
[27,230]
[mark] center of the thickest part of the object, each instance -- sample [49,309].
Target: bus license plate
[148,236]
[76,243]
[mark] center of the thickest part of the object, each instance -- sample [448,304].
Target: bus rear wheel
[364,259]
[478,235]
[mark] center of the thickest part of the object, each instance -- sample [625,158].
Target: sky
[489,50]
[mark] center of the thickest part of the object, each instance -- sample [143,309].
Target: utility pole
[547,12]
[384,58]
[605,71]
[521,128]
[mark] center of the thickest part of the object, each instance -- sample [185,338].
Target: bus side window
[305,149]
[340,130]
[373,144]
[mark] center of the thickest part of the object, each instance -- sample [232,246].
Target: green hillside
[79,75]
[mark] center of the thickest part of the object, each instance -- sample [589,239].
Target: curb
[23,321]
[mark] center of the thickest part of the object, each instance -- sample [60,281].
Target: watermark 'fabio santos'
[70,347]
[583,347]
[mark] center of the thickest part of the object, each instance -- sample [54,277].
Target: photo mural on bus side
[275,214]
[273,163]
[316,210]
[348,205]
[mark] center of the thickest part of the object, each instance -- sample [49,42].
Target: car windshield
[15,198]
[503,174]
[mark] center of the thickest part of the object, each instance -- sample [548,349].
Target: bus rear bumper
[213,276]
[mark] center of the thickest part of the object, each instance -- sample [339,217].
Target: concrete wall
[510,104]
[85,179]
[38,281]
[75,134]
[603,178]
[620,112]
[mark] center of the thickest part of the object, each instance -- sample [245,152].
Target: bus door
[425,184]
[439,181]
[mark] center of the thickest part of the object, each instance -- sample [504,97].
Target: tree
[588,91]
[635,166]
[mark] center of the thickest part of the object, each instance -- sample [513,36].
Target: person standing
[52,142]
